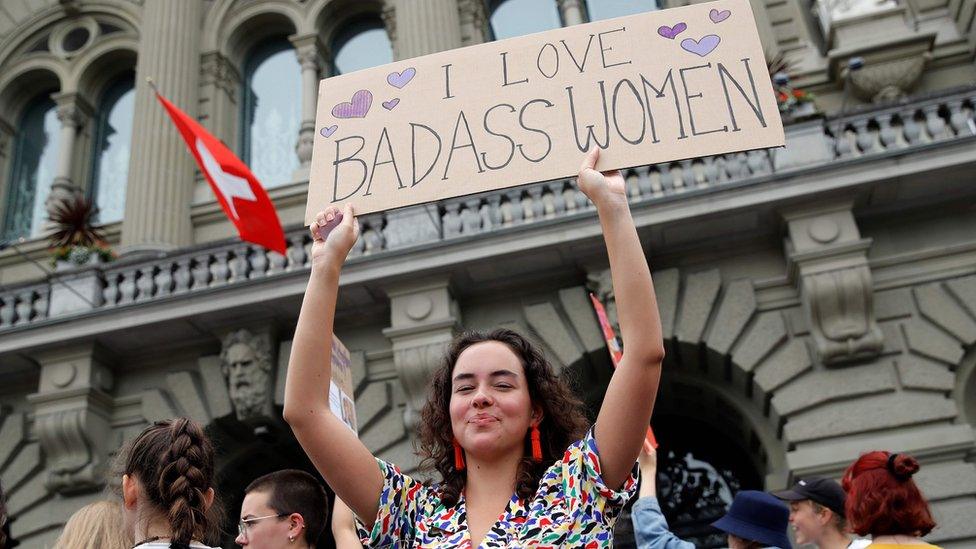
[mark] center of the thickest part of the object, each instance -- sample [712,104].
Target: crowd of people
[517,463]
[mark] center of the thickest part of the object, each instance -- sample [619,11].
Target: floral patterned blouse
[573,507]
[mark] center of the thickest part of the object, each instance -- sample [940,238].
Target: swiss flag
[240,194]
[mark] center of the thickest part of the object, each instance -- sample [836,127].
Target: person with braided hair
[519,466]
[884,502]
[168,500]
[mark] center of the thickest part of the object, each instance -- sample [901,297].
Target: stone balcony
[871,135]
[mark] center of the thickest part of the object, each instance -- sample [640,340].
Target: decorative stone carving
[894,52]
[889,80]
[72,411]
[828,262]
[217,70]
[245,362]
[474,21]
[423,318]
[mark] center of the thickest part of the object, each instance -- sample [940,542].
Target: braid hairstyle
[174,460]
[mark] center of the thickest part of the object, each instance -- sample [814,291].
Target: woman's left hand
[607,188]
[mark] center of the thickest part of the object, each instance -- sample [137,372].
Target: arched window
[113,136]
[510,18]
[35,162]
[361,44]
[272,113]
[608,9]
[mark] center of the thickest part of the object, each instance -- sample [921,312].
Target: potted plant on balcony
[75,241]
[794,103]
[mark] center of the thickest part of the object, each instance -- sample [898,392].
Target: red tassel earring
[536,445]
[458,456]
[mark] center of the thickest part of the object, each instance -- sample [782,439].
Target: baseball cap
[825,491]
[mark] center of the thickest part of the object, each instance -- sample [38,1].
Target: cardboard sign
[648,88]
[341,399]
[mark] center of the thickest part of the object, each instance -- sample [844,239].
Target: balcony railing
[870,132]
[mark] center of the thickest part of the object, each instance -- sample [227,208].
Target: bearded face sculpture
[245,361]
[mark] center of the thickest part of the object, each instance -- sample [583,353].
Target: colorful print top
[573,507]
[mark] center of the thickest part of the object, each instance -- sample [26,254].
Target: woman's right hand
[333,235]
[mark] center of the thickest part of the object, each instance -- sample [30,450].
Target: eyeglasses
[244,523]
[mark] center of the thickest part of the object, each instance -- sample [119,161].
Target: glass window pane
[272,113]
[113,137]
[35,162]
[608,9]
[510,18]
[362,45]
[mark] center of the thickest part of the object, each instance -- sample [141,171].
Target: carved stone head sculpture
[245,361]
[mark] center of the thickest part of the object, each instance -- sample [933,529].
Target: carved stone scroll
[828,263]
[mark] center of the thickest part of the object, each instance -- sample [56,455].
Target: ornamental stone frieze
[827,261]
[423,320]
[72,411]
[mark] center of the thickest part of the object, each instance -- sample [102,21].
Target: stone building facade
[818,301]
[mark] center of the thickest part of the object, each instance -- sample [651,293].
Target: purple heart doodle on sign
[671,32]
[719,16]
[702,47]
[357,108]
[329,130]
[401,79]
[388,105]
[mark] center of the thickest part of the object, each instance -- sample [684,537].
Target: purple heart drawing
[328,131]
[702,47]
[401,79]
[357,108]
[719,16]
[388,105]
[671,32]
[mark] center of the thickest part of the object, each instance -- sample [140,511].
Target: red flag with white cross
[240,194]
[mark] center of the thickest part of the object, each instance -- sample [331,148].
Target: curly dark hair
[563,421]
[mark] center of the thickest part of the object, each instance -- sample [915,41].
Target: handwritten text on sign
[649,88]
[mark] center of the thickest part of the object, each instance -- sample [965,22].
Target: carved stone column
[73,112]
[73,412]
[572,11]
[219,85]
[423,321]
[474,21]
[160,185]
[422,27]
[311,55]
[827,260]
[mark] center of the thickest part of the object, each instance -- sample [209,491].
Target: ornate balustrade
[923,122]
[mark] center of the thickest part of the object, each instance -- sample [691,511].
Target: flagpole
[152,85]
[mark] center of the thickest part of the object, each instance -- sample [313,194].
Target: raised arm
[626,411]
[345,463]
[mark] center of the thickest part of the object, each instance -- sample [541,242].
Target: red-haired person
[884,502]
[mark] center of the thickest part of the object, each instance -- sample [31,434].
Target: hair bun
[903,466]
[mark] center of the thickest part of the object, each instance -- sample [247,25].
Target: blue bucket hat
[757,516]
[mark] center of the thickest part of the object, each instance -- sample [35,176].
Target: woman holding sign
[505,433]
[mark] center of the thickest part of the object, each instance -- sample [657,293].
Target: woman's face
[491,411]
[808,525]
